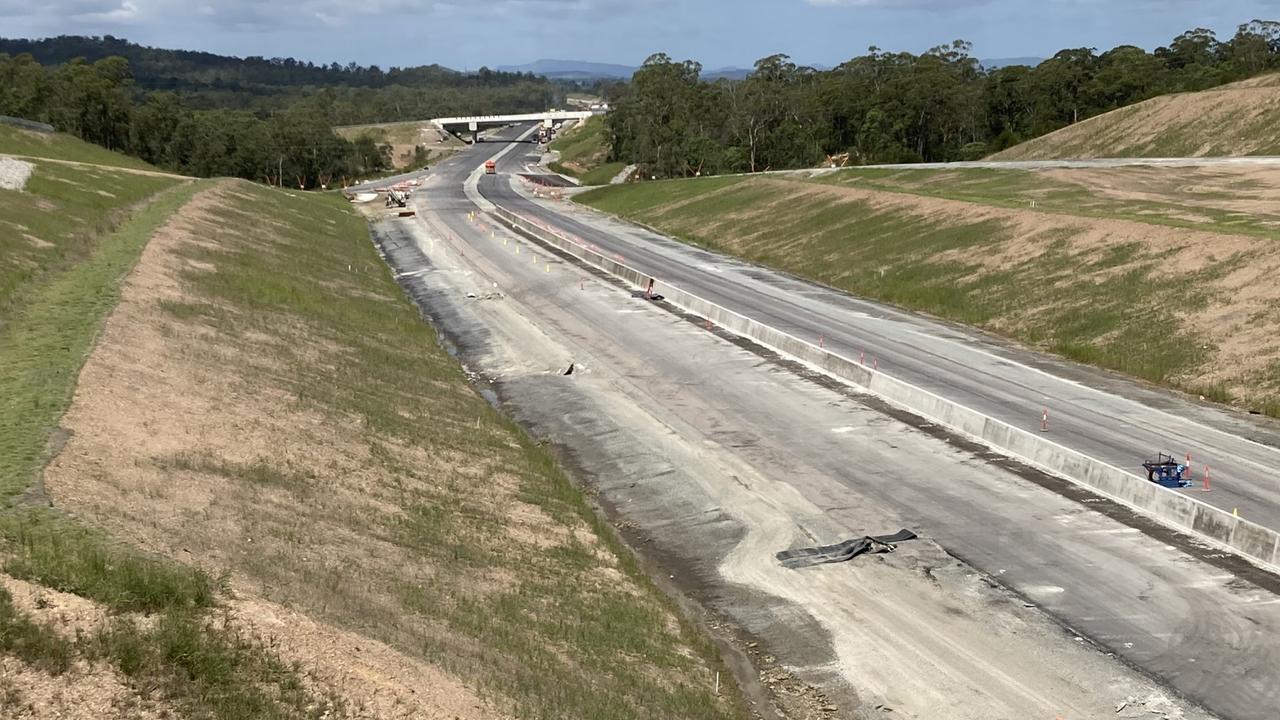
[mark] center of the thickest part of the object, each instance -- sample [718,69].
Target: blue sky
[715,32]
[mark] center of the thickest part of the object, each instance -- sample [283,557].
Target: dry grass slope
[1182,306]
[1239,119]
[265,405]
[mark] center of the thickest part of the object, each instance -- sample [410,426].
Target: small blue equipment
[1167,472]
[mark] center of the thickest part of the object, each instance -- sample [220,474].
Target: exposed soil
[1234,120]
[155,399]
[86,691]
[404,137]
[1241,320]
[13,173]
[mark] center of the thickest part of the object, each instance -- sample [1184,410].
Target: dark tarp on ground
[840,552]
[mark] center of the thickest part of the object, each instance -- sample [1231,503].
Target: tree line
[251,118]
[95,102]
[361,94]
[941,105]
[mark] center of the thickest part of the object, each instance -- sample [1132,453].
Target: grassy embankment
[359,481]
[584,153]
[1168,294]
[1223,200]
[56,146]
[69,239]
[1238,119]
[494,567]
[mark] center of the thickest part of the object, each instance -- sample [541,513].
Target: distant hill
[580,70]
[585,71]
[572,70]
[1239,119]
[728,73]
[997,63]
[190,70]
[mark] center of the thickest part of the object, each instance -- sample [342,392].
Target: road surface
[1103,416]
[827,463]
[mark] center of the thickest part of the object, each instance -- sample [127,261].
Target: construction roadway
[720,454]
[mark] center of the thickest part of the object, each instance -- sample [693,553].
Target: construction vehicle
[397,198]
[1166,471]
[490,167]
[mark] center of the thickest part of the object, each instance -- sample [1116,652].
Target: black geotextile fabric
[840,552]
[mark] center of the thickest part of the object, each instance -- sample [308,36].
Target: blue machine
[1166,471]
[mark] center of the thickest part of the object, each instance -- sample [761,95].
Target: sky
[717,33]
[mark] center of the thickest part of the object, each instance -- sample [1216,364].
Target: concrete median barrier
[1172,508]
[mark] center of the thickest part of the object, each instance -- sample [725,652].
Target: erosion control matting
[840,552]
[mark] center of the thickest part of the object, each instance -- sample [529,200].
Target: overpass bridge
[474,123]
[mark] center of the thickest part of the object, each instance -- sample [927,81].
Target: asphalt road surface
[1208,632]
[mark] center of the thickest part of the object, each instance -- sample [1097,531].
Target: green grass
[209,669]
[37,645]
[584,153]
[46,335]
[1109,309]
[46,548]
[59,219]
[548,641]
[56,296]
[182,653]
[59,146]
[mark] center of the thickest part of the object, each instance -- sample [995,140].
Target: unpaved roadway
[1021,600]
[1098,414]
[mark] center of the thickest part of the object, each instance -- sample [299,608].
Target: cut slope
[404,137]
[1239,119]
[266,405]
[584,153]
[1175,305]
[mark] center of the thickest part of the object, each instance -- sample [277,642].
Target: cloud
[87,16]
[123,13]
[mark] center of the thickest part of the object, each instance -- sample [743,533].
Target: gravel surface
[14,173]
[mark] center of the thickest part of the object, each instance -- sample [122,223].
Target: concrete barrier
[1181,512]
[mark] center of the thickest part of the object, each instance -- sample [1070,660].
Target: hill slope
[240,478]
[1123,268]
[1239,119]
[584,153]
[60,146]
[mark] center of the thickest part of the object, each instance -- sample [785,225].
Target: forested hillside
[359,94]
[265,120]
[899,107]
